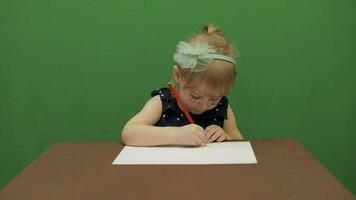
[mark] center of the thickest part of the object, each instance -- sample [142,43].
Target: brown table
[285,170]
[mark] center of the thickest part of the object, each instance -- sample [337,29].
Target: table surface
[285,170]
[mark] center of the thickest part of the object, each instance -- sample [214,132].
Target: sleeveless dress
[172,115]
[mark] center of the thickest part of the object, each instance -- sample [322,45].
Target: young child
[203,72]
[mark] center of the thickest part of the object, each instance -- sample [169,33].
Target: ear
[176,74]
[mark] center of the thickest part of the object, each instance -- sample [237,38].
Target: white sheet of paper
[213,153]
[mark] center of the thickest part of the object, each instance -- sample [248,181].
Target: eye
[195,96]
[214,103]
[215,99]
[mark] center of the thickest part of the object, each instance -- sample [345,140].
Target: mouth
[196,112]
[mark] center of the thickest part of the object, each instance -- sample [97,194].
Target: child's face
[199,99]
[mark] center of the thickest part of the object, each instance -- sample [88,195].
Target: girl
[203,72]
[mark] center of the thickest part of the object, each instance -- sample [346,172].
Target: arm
[140,130]
[230,127]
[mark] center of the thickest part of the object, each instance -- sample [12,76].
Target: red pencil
[180,103]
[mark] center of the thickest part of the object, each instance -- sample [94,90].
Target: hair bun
[211,29]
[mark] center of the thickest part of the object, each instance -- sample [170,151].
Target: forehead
[205,90]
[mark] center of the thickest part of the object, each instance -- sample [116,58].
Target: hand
[191,134]
[215,133]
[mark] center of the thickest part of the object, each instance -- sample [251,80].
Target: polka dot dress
[172,115]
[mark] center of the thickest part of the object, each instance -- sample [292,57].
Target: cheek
[211,106]
[190,102]
[186,101]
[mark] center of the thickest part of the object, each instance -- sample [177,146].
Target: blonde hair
[219,74]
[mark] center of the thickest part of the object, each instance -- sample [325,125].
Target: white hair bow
[197,55]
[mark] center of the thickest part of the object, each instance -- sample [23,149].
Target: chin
[196,112]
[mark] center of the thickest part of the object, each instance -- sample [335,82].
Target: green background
[78,70]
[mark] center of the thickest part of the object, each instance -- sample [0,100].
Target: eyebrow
[198,93]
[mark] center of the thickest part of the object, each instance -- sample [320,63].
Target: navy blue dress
[172,115]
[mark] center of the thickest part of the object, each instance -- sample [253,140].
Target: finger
[209,133]
[210,138]
[215,136]
[200,128]
[212,131]
[202,137]
[221,138]
[197,140]
[209,128]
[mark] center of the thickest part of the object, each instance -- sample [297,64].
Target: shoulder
[222,107]
[230,126]
[224,102]
[154,103]
[150,113]
[163,93]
